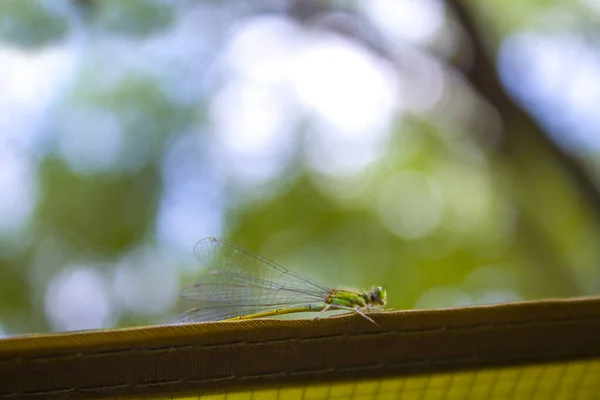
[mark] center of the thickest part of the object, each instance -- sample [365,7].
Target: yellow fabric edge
[215,357]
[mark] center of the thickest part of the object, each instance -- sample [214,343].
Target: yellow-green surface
[560,381]
[522,347]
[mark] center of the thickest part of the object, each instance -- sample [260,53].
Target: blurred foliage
[134,17]
[177,120]
[32,23]
[123,207]
[12,299]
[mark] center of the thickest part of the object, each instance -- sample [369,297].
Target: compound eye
[379,295]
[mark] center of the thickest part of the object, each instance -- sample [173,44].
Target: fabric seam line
[429,361]
[481,327]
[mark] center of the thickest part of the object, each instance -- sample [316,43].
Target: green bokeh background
[468,201]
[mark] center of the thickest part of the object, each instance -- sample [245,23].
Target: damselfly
[244,285]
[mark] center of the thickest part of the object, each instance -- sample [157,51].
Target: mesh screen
[570,380]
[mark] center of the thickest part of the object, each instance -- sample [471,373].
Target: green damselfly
[242,285]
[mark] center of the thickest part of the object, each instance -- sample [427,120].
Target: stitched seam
[482,327]
[459,360]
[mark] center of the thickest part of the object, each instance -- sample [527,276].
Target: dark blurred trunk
[525,147]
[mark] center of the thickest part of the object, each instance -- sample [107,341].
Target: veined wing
[237,262]
[240,282]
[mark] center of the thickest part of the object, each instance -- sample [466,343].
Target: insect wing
[240,282]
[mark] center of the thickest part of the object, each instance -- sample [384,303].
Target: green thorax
[346,298]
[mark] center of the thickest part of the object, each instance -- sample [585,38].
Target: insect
[244,285]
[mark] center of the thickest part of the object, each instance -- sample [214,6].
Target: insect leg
[323,310]
[356,310]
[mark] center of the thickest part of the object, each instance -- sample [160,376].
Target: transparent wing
[240,282]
